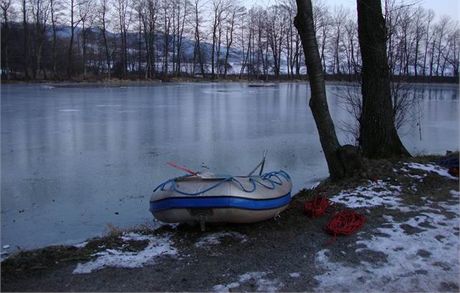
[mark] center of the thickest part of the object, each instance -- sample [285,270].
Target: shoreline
[176,80]
[179,254]
[159,225]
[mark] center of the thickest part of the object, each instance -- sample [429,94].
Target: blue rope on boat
[273,178]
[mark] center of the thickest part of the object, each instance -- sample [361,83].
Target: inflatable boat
[208,198]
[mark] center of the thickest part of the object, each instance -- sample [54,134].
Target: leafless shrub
[406,107]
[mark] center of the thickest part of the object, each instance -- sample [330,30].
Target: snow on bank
[455,193]
[375,193]
[4,253]
[216,238]
[263,284]
[294,275]
[81,244]
[431,168]
[157,246]
[420,254]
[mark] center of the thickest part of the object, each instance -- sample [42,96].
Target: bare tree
[148,14]
[74,21]
[246,34]
[441,31]
[166,6]
[338,24]
[406,107]
[428,37]
[418,32]
[5,5]
[103,11]
[182,13]
[218,8]
[454,48]
[318,101]
[197,52]
[55,14]
[234,15]
[122,8]
[292,38]
[85,11]
[149,36]
[26,39]
[275,35]
[322,22]
[378,136]
[40,13]
[351,49]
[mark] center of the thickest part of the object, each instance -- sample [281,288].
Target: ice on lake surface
[77,159]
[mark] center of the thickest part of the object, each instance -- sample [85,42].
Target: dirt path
[410,242]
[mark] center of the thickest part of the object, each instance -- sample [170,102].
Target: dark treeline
[148,39]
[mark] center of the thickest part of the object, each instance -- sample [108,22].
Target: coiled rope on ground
[344,222]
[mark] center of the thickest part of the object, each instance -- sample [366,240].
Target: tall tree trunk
[318,102]
[26,42]
[229,43]
[72,32]
[125,52]
[4,39]
[83,34]
[53,26]
[246,57]
[197,49]
[106,44]
[214,41]
[219,41]
[297,58]
[139,51]
[179,41]
[166,43]
[378,136]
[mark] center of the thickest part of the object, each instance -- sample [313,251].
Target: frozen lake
[77,159]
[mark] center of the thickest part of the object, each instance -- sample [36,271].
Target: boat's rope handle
[267,177]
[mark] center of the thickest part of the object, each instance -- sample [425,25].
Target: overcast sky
[440,7]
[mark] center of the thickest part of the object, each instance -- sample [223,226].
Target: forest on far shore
[216,39]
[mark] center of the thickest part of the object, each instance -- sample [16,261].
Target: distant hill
[188,45]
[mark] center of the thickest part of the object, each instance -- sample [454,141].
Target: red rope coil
[316,207]
[345,223]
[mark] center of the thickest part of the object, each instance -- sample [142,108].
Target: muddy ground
[282,254]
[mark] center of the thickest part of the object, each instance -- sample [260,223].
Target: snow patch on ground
[455,193]
[375,193]
[294,275]
[216,238]
[131,236]
[262,283]
[157,246]
[314,185]
[81,244]
[225,288]
[421,255]
[431,168]
[4,253]
[419,177]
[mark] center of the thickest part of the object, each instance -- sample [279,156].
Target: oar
[182,168]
